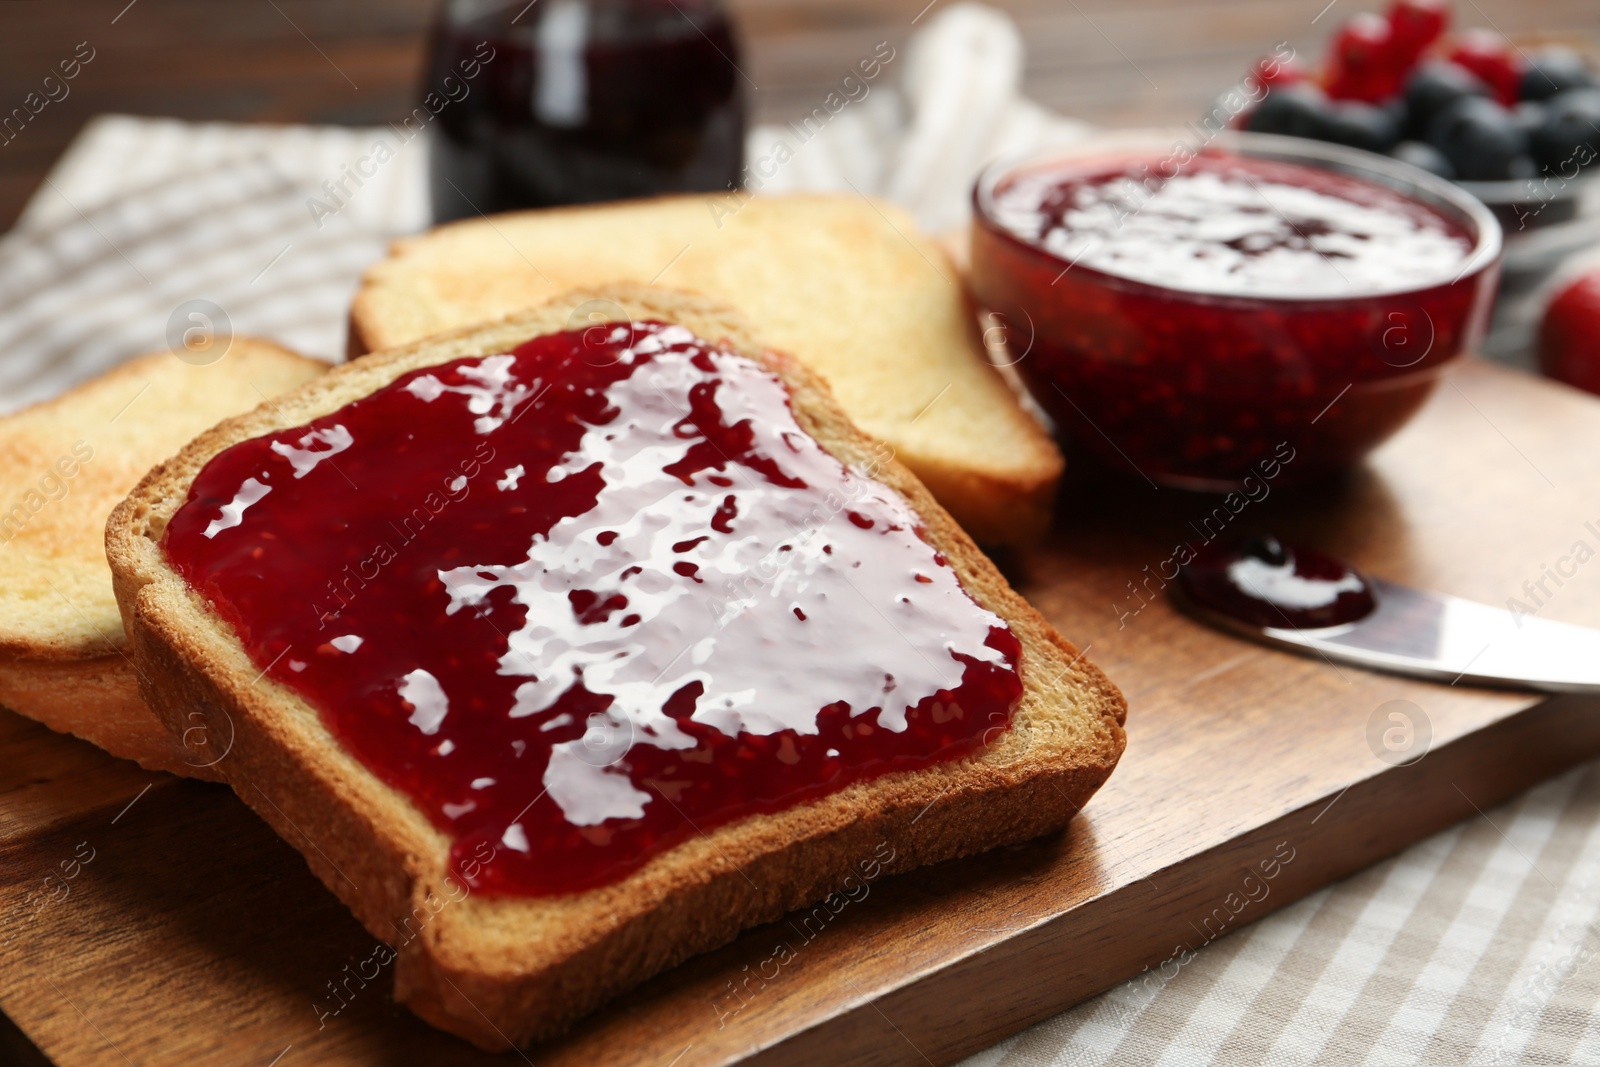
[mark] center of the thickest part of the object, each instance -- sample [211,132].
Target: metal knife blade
[1445,638]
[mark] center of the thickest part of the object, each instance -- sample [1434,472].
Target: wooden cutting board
[148,920]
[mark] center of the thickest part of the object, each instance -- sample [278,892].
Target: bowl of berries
[1517,125]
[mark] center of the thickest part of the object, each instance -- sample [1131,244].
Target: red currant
[1492,58]
[1415,25]
[1364,66]
[1277,72]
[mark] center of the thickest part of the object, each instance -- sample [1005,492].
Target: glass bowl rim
[1408,180]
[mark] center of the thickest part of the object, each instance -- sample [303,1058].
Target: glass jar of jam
[577,101]
[1258,305]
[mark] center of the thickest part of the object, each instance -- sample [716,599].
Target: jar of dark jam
[577,101]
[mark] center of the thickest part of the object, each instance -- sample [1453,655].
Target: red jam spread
[586,599]
[1235,226]
[1194,324]
[1266,583]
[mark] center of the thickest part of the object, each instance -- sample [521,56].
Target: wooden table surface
[1117,62]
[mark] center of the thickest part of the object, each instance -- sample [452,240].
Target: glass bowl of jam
[1262,305]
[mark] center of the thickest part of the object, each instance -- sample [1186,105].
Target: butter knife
[1394,627]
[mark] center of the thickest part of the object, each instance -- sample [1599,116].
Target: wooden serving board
[190,934]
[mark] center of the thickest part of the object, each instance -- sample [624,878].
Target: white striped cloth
[1478,945]
[142,216]
[919,131]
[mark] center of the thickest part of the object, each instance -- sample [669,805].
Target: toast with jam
[846,285]
[64,464]
[564,648]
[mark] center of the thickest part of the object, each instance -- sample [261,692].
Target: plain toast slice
[64,464]
[846,285]
[508,969]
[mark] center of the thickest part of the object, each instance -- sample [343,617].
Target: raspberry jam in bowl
[1261,306]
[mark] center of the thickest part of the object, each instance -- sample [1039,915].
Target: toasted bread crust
[510,970]
[818,274]
[97,700]
[63,654]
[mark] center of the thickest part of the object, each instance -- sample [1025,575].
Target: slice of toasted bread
[509,969]
[846,285]
[64,464]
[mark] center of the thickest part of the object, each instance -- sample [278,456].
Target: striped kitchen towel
[143,218]
[1479,945]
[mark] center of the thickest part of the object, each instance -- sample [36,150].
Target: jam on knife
[1263,582]
[591,597]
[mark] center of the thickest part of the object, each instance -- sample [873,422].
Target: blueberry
[1555,70]
[1360,126]
[1480,138]
[1424,155]
[1530,115]
[1298,110]
[1433,87]
[1569,137]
